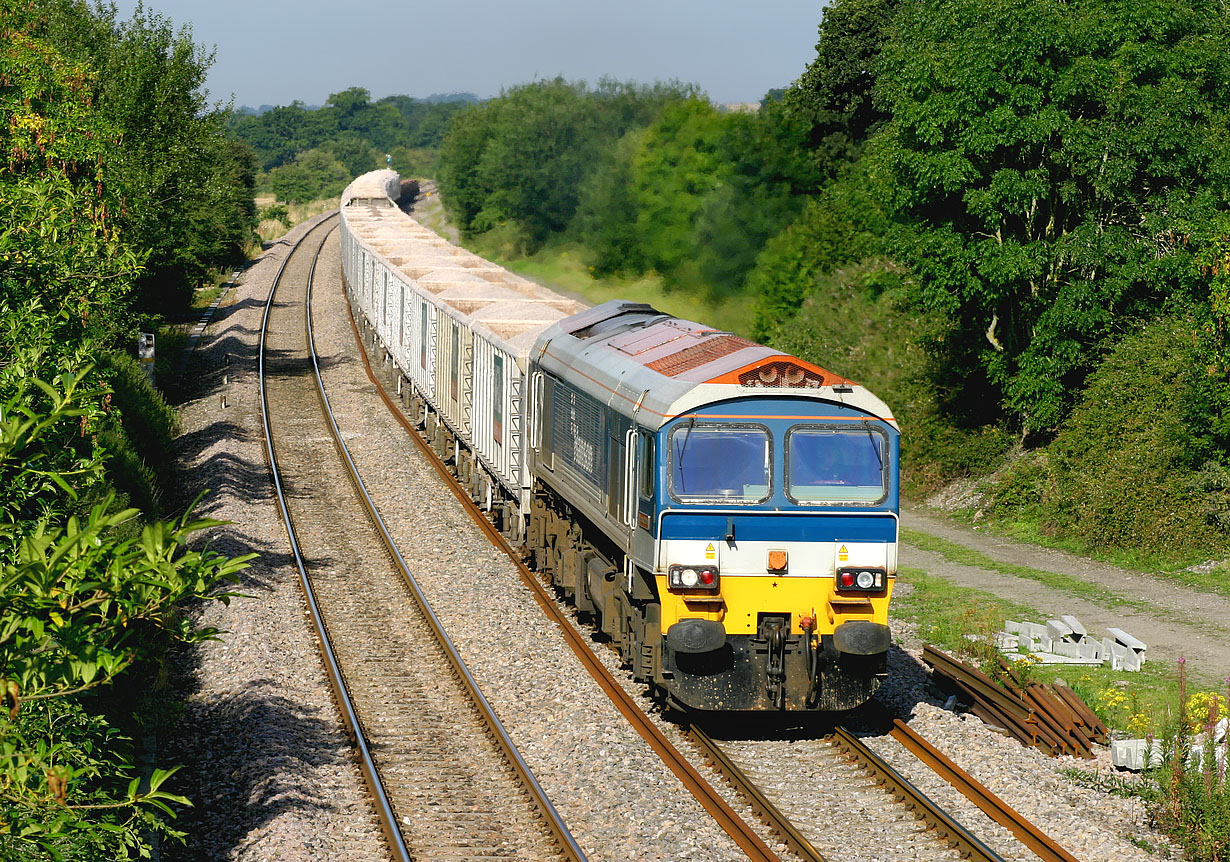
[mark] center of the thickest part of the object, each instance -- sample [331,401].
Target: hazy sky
[275,51]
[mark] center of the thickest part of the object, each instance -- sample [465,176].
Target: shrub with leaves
[1191,799]
[82,598]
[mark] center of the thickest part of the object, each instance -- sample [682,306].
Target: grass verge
[1073,586]
[1215,580]
[1062,583]
[946,615]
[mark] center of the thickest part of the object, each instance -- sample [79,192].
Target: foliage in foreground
[1190,797]
[82,598]
[96,122]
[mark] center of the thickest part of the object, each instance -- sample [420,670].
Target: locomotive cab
[775,530]
[725,513]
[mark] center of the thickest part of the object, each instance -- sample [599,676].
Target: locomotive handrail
[630,465]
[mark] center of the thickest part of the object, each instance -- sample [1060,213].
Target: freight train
[725,514]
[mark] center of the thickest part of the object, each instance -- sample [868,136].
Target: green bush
[137,433]
[83,598]
[275,212]
[1128,469]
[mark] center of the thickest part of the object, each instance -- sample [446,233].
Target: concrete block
[1130,643]
[1121,658]
[1127,640]
[1089,648]
[1132,753]
[1058,630]
[1067,648]
[1032,630]
[1075,624]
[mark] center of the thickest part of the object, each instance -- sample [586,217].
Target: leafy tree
[281,133]
[607,211]
[523,158]
[314,174]
[86,590]
[845,223]
[350,125]
[679,163]
[465,188]
[60,244]
[832,102]
[354,153]
[186,190]
[1052,207]
[768,184]
[542,145]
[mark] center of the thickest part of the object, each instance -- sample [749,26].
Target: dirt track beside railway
[1182,621]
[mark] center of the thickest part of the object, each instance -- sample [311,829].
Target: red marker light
[847,579]
[706,576]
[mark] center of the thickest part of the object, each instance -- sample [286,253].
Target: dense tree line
[313,153]
[648,177]
[119,189]
[976,206]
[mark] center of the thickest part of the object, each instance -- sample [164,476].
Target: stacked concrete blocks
[1066,641]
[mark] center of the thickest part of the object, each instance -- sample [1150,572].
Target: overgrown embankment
[119,194]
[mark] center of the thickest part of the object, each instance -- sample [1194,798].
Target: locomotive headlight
[682,577]
[865,580]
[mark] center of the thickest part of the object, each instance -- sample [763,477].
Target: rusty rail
[966,843]
[990,804]
[766,810]
[1051,718]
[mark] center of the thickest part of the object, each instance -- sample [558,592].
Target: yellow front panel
[744,598]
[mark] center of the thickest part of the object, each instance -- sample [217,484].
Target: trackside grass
[949,615]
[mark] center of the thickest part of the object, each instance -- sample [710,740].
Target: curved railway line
[941,836]
[445,778]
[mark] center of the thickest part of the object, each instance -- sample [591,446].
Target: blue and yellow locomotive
[726,513]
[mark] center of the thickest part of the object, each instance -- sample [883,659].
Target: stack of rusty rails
[1050,717]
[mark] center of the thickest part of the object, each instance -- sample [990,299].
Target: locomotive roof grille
[698,355]
[781,374]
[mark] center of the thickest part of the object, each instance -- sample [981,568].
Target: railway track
[446,780]
[797,825]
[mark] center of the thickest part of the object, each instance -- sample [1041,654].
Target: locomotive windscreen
[730,463]
[837,465]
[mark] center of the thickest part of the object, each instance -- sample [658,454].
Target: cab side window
[645,464]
